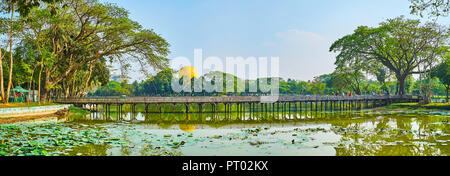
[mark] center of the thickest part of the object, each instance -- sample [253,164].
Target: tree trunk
[39,79]
[47,88]
[401,85]
[34,92]
[11,53]
[66,89]
[50,96]
[14,95]
[58,94]
[447,87]
[87,80]
[72,94]
[44,95]
[2,87]
[29,87]
[428,90]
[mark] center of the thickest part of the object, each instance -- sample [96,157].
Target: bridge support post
[226,107]
[295,107]
[252,107]
[187,107]
[300,107]
[277,104]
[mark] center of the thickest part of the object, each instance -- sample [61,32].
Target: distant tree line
[327,84]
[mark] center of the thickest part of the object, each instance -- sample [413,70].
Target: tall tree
[442,71]
[351,77]
[3,29]
[317,87]
[399,44]
[23,8]
[435,8]
[83,31]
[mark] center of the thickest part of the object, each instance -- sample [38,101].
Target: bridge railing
[219,99]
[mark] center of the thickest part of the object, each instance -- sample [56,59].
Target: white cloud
[298,35]
[303,54]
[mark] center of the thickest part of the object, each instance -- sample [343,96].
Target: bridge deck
[231,99]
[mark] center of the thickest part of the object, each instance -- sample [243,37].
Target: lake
[372,132]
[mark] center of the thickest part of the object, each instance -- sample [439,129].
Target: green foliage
[317,87]
[328,84]
[442,71]
[113,88]
[417,106]
[72,41]
[23,7]
[398,44]
[435,8]
[49,139]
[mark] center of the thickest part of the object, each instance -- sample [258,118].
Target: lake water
[351,133]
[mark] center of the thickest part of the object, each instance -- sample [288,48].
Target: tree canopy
[434,8]
[82,32]
[442,71]
[399,44]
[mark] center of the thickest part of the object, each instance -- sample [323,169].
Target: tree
[82,32]
[349,77]
[399,44]
[230,83]
[9,7]
[381,75]
[158,84]
[442,71]
[25,59]
[434,8]
[3,29]
[317,87]
[113,88]
[23,8]
[338,82]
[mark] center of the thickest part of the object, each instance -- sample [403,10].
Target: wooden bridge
[252,103]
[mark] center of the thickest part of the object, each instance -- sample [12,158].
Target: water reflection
[262,117]
[348,133]
[186,127]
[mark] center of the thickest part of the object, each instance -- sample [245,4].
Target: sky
[299,32]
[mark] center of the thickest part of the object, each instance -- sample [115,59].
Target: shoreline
[44,116]
[32,111]
[417,106]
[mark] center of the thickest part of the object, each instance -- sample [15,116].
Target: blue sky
[298,31]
